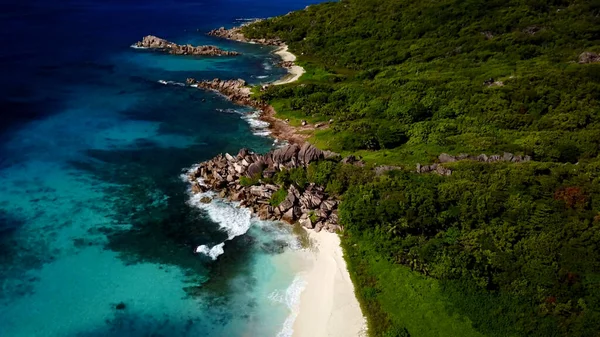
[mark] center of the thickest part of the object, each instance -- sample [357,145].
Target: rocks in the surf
[225,175]
[156,43]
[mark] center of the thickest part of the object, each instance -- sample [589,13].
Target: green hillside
[494,249]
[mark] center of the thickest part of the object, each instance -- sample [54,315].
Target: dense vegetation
[504,249]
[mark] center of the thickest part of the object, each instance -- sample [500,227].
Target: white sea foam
[137,47]
[261,77]
[267,66]
[259,128]
[213,252]
[291,298]
[171,83]
[231,218]
[231,111]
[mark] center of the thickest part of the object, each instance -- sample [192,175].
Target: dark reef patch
[152,221]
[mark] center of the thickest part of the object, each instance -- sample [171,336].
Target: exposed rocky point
[156,43]
[235,90]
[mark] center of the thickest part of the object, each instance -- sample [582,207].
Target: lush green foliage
[505,249]
[278,197]
[247,181]
[402,73]
[531,231]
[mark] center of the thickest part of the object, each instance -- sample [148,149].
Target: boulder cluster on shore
[156,43]
[311,207]
[236,34]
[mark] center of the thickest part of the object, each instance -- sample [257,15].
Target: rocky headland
[248,178]
[156,43]
[236,34]
[240,93]
[236,91]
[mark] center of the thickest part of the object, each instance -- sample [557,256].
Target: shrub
[278,197]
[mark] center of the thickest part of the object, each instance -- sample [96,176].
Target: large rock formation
[312,208]
[156,43]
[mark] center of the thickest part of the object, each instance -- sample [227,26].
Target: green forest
[494,249]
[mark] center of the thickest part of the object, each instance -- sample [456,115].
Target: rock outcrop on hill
[156,43]
[311,207]
[446,158]
[589,57]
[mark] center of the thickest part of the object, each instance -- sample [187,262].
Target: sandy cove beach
[295,71]
[328,306]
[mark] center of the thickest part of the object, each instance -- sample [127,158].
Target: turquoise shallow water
[93,211]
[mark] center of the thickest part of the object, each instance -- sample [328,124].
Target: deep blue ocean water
[93,211]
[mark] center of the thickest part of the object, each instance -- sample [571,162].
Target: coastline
[328,306]
[295,71]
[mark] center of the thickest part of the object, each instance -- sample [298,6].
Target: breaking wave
[259,128]
[231,218]
[291,298]
[163,82]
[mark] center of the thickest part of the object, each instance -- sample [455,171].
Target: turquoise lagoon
[97,228]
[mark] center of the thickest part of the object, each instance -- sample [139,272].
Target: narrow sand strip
[295,71]
[328,306]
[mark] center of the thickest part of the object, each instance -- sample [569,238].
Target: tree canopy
[513,247]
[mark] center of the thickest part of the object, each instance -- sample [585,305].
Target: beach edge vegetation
[494,249]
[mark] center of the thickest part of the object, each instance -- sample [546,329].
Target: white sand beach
[295,71]
[328,306]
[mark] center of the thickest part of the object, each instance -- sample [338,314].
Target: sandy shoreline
[328,306]
[295,71]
